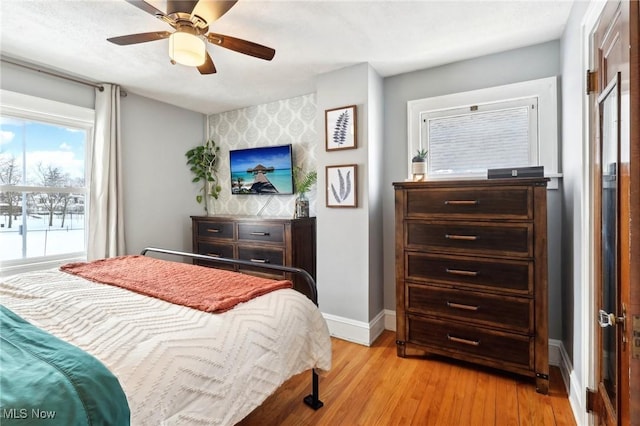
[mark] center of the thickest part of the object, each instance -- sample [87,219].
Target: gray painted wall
[375,161]
[21,80]
[513,66]
[158,196]
[348,238]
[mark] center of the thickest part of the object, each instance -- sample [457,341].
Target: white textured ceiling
[310,38]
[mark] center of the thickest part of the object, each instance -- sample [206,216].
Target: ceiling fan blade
[212,10]
[184,6]
[146,7]
[207,67]
[139,38]
[243,46]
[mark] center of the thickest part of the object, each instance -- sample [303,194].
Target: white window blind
[471,139]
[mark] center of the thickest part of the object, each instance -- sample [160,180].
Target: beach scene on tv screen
[263,170]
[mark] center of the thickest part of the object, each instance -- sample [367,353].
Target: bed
[177,365]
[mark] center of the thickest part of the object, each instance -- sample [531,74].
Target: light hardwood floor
[372,386]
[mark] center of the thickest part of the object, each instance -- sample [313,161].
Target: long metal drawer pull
[461,272]
[213,230]
[260,260]
[462,306]
[262,234]
[213,254]
[461,237]
[462,202]
[465,341]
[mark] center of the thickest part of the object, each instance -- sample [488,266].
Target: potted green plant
[303,183]
[419,165]
[203,160]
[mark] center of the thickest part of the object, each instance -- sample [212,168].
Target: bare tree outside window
[10,174]
[51,176]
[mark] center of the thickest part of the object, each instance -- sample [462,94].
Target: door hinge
[635,336]
[592,400]
[592,81]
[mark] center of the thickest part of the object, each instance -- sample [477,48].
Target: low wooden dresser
[471,272]
[274,240]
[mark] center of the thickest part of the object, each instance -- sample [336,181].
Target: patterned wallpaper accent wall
[289,121]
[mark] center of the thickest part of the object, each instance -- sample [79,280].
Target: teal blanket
[46,381]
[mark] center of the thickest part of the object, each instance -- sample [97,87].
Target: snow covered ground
[41,240]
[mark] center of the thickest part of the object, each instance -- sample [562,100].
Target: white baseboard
[389,320]
[356,331]
[575,389]
[555,357]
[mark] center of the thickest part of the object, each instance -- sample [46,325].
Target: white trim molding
[33,107]
[389,320]
[12,267]
[354,331]
[573,385]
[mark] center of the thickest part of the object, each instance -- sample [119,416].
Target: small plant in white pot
[419,165]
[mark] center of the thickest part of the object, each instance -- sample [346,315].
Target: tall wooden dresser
[274,240]
[471,272]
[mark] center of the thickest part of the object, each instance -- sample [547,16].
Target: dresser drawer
[504,202]
[469,340]
[506,239]
[261,256]
[263,232]
[215,229]
[216,250]
[509,313]
[511,276]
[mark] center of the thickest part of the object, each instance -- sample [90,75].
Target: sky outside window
[43,144]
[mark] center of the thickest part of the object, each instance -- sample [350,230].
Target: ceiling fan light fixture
[187,49]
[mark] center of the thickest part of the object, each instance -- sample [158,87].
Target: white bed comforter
[177,365]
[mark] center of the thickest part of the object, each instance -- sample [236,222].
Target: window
[470,140]
[468,133]
[43,185]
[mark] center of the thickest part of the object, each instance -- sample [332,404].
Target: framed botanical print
[342,185]
[340,128]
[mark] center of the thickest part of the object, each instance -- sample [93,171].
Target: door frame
[633,364]
[630,409]
[587,251]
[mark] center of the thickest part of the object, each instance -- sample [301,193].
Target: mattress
[177,365]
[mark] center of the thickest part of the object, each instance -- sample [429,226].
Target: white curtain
[106,227]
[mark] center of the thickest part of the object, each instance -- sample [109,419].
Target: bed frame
[313,399]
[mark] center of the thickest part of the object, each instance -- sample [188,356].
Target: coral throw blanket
[198,287]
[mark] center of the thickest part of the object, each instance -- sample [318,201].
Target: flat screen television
[262,170]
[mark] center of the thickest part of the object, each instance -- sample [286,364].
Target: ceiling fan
[191,20]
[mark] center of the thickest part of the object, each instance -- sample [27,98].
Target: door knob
[609,319]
